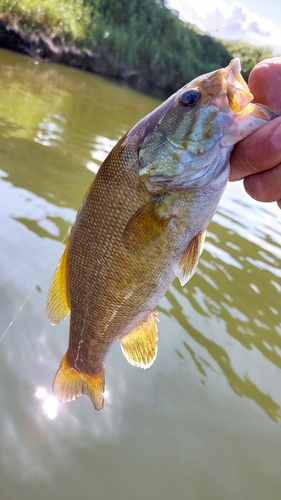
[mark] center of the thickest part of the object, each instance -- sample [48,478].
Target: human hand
[257,159]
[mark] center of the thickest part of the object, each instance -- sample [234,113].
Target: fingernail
[276,137]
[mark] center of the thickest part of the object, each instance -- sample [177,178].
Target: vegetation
[139,41]
[249,55]
[152,41]
[68,19]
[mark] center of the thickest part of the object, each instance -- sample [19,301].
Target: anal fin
[188,261]
[70,383]
[141,344]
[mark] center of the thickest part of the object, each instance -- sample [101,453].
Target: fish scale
[142,223]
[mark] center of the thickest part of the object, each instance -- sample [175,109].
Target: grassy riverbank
[140,42]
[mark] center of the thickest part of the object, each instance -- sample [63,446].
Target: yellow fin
[141,344]
[70,383]
[188,262]
[144,226]
[57,302]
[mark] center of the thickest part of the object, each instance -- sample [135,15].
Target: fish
[142,223]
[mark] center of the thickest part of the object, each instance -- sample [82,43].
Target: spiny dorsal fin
[141,344]
[188,262]
[69,384]
[58,306]
[144,226]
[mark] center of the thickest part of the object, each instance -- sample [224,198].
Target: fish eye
[190,98]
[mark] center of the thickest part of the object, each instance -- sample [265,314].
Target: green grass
[68,19]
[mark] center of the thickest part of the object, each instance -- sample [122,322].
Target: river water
[204,422]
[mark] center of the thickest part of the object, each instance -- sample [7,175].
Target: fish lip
[240,96]
[237,90]
[259,111]
[235,68]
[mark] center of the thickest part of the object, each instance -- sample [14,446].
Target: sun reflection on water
[50,403]
[106,395]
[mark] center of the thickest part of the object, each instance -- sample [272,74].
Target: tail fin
[69,384]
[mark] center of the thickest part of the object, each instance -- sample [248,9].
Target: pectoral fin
[188,262]
[140,346]
[69,384]
[144,226]
[58,306]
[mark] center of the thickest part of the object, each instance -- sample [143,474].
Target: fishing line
[30,293]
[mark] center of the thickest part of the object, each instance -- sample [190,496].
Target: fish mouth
[237,90]
[239,95]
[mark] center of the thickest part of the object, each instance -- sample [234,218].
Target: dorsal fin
[58,306]
[141,344]
[188,262]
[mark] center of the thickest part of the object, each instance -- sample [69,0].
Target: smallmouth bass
[143,222]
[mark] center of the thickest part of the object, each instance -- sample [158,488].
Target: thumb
[265,82]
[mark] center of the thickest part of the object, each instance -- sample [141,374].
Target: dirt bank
[56,50]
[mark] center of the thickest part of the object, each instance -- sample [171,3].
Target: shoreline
[53,49]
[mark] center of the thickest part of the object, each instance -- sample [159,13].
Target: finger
[265,186]
[259,151]
[264,83]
